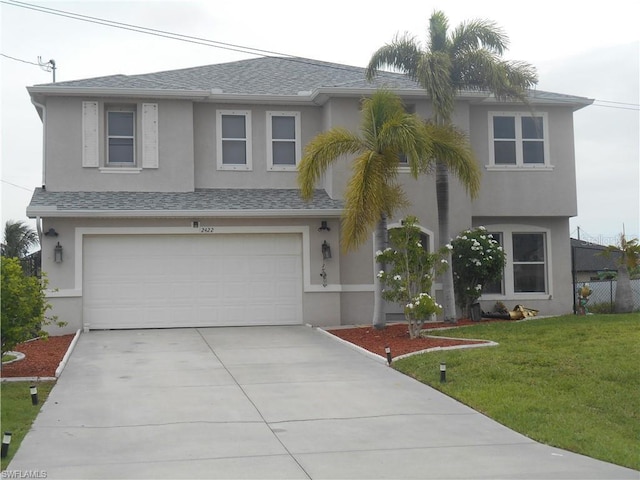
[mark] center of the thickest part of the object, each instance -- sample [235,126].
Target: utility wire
[17,186]
[20,60]
[224,45]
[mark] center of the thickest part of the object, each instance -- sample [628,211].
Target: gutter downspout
[43,109]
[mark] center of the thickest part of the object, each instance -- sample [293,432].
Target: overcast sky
[586,51]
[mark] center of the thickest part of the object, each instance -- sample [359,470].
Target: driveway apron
[266,402]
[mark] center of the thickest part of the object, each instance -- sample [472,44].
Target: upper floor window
[234,139]
[121,137]
[518,140]
[283,140]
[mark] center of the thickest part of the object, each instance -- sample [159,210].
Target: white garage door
[154,281]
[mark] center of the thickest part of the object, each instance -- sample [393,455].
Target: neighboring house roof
[587,257]
[210,202]
[297,78]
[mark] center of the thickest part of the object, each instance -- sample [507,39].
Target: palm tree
[629,260]
[19,239]
[468,58]
[372,194]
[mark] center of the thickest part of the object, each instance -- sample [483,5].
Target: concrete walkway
[266,402]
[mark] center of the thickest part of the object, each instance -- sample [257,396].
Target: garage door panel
[138,281]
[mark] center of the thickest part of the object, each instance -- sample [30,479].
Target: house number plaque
[207,229]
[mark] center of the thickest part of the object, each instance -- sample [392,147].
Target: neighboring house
[589,264]
[175,200]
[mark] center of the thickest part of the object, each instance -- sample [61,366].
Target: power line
[222,45]
[15,185]
[19,60]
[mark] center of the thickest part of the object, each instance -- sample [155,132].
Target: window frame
[270,140]
[515,262]
[109,109]
[220,141]
[519,142]
[508,278]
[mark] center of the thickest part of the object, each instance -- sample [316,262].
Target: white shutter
[149,135]
[90,140]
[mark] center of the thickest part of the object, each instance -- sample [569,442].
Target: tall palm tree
[19,239]
[467,58]
[372,193]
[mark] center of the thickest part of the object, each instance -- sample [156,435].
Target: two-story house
[170,199]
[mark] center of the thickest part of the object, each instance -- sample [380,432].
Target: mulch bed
[42,357]
[396,337]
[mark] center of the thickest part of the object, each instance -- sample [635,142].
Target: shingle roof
[588,258]
[271,76]
[213,201]
[259,76]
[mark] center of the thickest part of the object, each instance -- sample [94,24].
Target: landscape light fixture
[326,251]
[57,253]
[34,394]
[6,440]
[387,350]
[443,372]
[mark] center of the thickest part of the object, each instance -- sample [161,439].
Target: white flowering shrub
[409,273]
[477,258]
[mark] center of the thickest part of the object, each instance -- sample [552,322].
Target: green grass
[6,357]
[18,413]
[572,382]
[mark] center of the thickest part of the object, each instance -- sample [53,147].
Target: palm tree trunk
[380,241]
[442,195]
[624,294]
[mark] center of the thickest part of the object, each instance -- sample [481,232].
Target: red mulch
[396,336]
[42,357]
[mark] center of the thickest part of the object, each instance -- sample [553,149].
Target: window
[233,140]
[529,266]
[121,137]
[518,140]
[528,263]
[283,140]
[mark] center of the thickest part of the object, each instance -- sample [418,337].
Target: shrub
[409,274]
[476,259]
[23,305]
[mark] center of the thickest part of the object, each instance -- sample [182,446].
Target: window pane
[284,153]
[121,150]
[504,153]
[532,127]
[233,126]
[234,152]
[504,127]
[533,152]
[528,247]
[528,278]
[283,128]
[120,124]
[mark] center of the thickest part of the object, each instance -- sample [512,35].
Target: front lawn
[18,412]
[572,382]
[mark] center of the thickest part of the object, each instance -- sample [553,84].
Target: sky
[592,52]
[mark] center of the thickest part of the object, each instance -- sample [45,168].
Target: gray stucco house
[170,199]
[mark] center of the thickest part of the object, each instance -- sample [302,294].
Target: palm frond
[434,75]
[321,152]
[452,148]
[438,27]
[475,34]
[401,55]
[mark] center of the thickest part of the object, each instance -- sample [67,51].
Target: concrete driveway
[266,402]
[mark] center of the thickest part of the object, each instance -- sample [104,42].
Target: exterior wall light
[326,251]
[323,226]
[51,232]
[57,253]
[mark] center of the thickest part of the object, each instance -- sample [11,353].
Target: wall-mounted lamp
[51,232]
[326,250]
[323,226]
[57,253]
